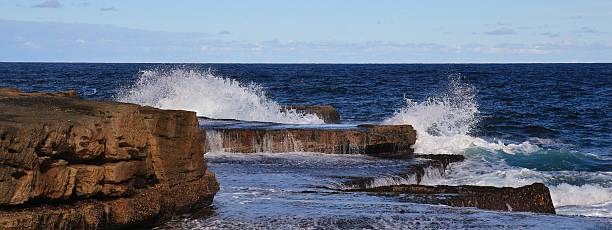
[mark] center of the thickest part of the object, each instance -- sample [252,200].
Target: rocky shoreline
[68,163]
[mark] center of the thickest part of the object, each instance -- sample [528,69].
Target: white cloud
[30,45]
[551,34]
[112,8]
[48,41]
[587,30]
[81,3]
[48,4]
[501,31]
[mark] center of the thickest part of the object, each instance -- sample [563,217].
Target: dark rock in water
[68,163]
[529,198]
[442,159]
[328,113]
[412,174]
[376,140]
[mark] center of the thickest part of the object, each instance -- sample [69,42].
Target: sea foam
[209,95]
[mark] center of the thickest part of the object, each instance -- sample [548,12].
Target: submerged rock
[392,141]
[422,166]
[328,113]
[69,163]
[529,198]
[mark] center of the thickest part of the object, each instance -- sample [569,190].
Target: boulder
[123,164]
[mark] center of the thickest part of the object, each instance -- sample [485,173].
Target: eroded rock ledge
[68,163]
[390,141]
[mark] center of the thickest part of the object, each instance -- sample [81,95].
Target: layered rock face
[328,113]
[68,163]
[377,140]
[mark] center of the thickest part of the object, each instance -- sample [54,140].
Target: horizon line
[307,63]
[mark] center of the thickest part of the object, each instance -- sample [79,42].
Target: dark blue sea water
[516,123]
[570,103]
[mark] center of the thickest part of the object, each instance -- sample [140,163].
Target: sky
[314,31]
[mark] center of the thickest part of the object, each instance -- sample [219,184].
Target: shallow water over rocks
[291,191]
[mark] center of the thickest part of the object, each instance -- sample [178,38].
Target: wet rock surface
[387,141]
[68,163]
[529,198]
[407,186]
[382,141]
[421,166]
[294,191]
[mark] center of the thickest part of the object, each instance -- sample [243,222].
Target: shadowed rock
[68,163]
[328,113]
[529,198]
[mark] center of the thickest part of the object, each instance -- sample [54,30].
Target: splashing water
[210,96]
[443,124]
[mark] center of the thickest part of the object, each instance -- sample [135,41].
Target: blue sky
[306,31]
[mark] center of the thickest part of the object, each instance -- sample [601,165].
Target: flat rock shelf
[391,141]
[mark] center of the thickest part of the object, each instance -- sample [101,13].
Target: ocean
[516,124]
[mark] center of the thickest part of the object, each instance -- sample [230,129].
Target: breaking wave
[210,96]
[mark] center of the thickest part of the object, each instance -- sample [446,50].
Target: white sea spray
[209,95]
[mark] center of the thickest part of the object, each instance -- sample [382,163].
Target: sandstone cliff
[68,163]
